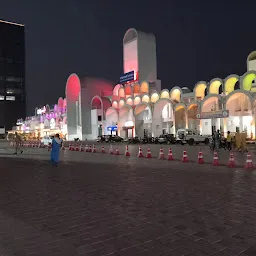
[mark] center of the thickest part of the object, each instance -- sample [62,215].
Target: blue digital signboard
[127,77]
[112,128]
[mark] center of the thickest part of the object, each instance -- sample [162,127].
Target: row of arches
[164,115]
[231,83]
[123,91]
[174,95]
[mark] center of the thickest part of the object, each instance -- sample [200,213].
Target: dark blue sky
[196,40]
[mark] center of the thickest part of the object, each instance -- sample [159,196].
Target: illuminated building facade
[46,121]
[137,106]
[12,73]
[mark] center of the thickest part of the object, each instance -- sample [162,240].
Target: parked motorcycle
[223,144]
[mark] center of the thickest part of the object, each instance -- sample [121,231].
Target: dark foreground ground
[125,209]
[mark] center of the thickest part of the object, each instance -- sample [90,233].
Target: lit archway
[211,105]
[248,81]
[215,86]
[97,113]
[136,89]
[121,103]
[128,91]
[239,104]
[154,97]
[145,98]
[230,83]
[129,101]
[144,87]
[193,121]
[111,120]
[73,89]
[175,94]
[115,104]
[96,103]
[137,100]
[165,94]
[126,121]
[251,61]
[143,120]
[116,89]
[199,90]
[121,92]
[180,116]
[163,119]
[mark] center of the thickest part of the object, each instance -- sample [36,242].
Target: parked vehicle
[103,138]
[191,136]
[167,138]
[46,140]
[134,140]
[115,138]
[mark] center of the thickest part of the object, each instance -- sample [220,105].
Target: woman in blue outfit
[56,145]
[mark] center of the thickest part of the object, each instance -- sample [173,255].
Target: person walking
[229,139]
[56,145]
[217,138]
[17,141]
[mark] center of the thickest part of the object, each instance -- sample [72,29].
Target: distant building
[12,73]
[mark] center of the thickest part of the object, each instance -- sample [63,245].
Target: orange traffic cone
[231,162]
[161,154]
[111,150]
[249,164]
[215,159]
[93,149]
[149,153]
[69,147]
[90,149]
[184,157]
[81,148]
[117,151]
[200,158]
[103,150]
[127,151]
[170,157]
[77,148]
[140,154]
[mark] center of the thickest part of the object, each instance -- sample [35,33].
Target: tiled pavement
[125,209]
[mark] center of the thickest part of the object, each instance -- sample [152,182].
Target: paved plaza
[96,204]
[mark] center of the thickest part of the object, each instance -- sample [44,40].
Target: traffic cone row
[200,160]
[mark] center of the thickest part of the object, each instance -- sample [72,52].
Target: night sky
[196,40]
